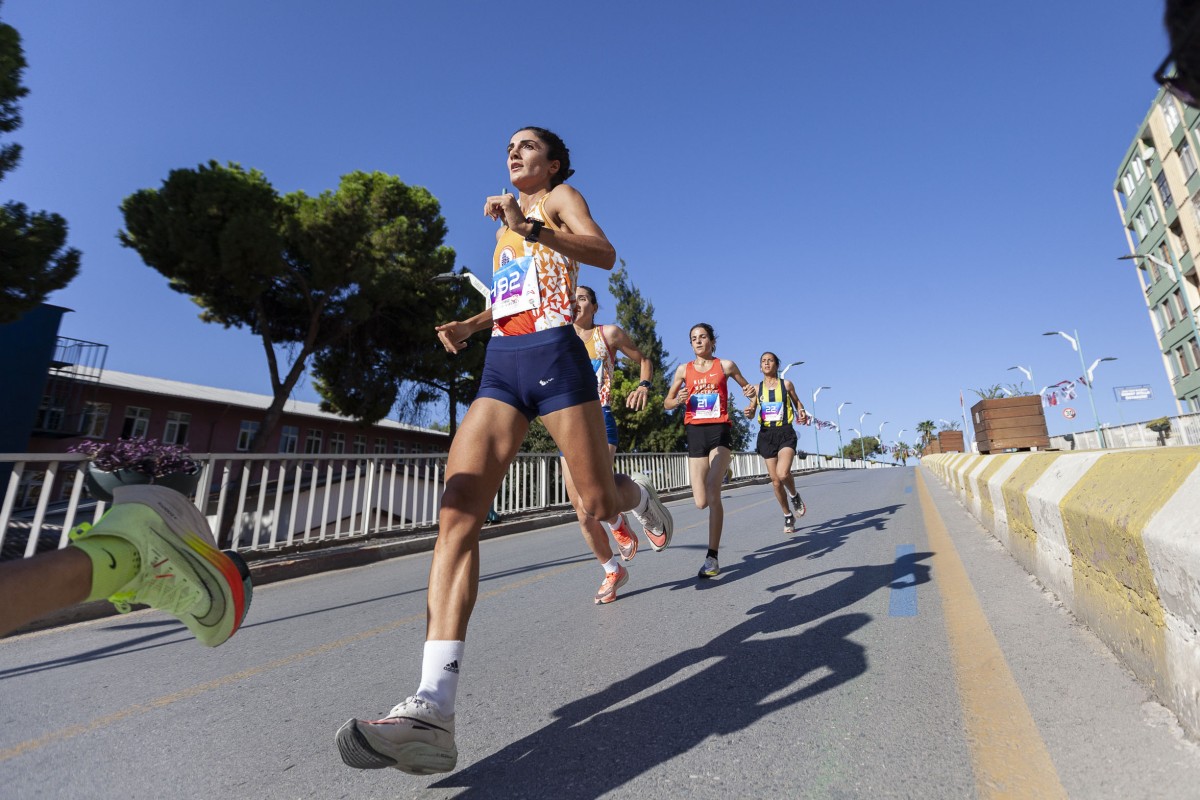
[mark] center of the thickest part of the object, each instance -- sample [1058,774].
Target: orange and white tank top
[603,361]
[708,394]
[533,287]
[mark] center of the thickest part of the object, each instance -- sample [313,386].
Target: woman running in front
[603,342]
[700,386]
[535,365]
[778,408]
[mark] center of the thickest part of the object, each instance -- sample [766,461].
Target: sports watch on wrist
[537,224]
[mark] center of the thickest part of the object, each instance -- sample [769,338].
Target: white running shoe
[709,569]
[413,738]
[656,520]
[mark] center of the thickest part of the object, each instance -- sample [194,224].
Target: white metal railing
[1184,431]
[276,501]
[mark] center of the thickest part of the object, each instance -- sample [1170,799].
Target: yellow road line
[140,708]
[1007,752]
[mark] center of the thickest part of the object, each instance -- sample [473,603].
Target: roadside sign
[1132,393]
[1069,413]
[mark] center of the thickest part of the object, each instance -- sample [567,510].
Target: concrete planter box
[1010,423]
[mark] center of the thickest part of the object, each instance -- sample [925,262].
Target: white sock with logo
[439,674]
[612,565]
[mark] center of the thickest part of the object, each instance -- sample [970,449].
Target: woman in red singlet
[701,387]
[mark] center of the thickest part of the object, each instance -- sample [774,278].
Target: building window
[1160,323]
[1183,362]
[337,443]
[1180,308]
[1136,167]
[1139,226]
[1151,214]
[399,448]
[1170,112]
[1164,191]
[176,431]
[1166,307]
[1127,184]
[312,444]
[380,446]
[1187,160]
[289,438]
[137,423]
[95,419]
[50,416]
[360,444]
[246,436]
[1195,351]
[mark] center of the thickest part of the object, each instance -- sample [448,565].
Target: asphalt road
[890,648]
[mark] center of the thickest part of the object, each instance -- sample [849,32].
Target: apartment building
[1157,191]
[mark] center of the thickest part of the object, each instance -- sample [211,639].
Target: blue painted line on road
[904,584]
[908,490]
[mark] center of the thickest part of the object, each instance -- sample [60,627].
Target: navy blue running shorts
[539,373]
[703,439]
[610,425]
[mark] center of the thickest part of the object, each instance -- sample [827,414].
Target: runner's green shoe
[180,569]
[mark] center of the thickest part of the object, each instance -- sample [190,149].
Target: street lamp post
[899,441]
[1178,278]
[862,446]
[1087,374]
[468,276]
[881,433]
[839,428]
[816,427]
[856,430]
[783,374]
[1027,372]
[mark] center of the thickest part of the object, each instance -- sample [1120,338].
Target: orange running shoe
[612,582]
[627,541]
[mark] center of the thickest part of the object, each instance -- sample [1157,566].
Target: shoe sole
[415,758]
[222,573]
[605,599]
[669,522]
[705,575]
[627,553]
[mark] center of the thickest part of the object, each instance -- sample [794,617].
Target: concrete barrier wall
[1116,536]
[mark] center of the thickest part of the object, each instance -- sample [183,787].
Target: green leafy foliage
[343,278]
[34,258]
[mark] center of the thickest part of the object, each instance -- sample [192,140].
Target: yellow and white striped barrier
[1116,536]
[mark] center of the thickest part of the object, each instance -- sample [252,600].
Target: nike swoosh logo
[112,560]
[543,383]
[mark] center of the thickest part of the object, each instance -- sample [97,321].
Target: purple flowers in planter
[147,456]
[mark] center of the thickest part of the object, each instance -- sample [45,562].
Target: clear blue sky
[902,195]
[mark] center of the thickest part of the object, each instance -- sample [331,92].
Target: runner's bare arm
[801,414]
[620,340]
[454,335]
[580,238]
[677,395]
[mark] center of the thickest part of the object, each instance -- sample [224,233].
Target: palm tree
[926,429]
[902,452]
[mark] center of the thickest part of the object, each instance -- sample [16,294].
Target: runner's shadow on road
[750,677]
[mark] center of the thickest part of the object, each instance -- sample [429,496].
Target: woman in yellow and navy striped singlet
[777,408]
[535,365]
[603,342]
[701,387]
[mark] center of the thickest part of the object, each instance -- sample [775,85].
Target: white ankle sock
[612,565]
[439,674]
